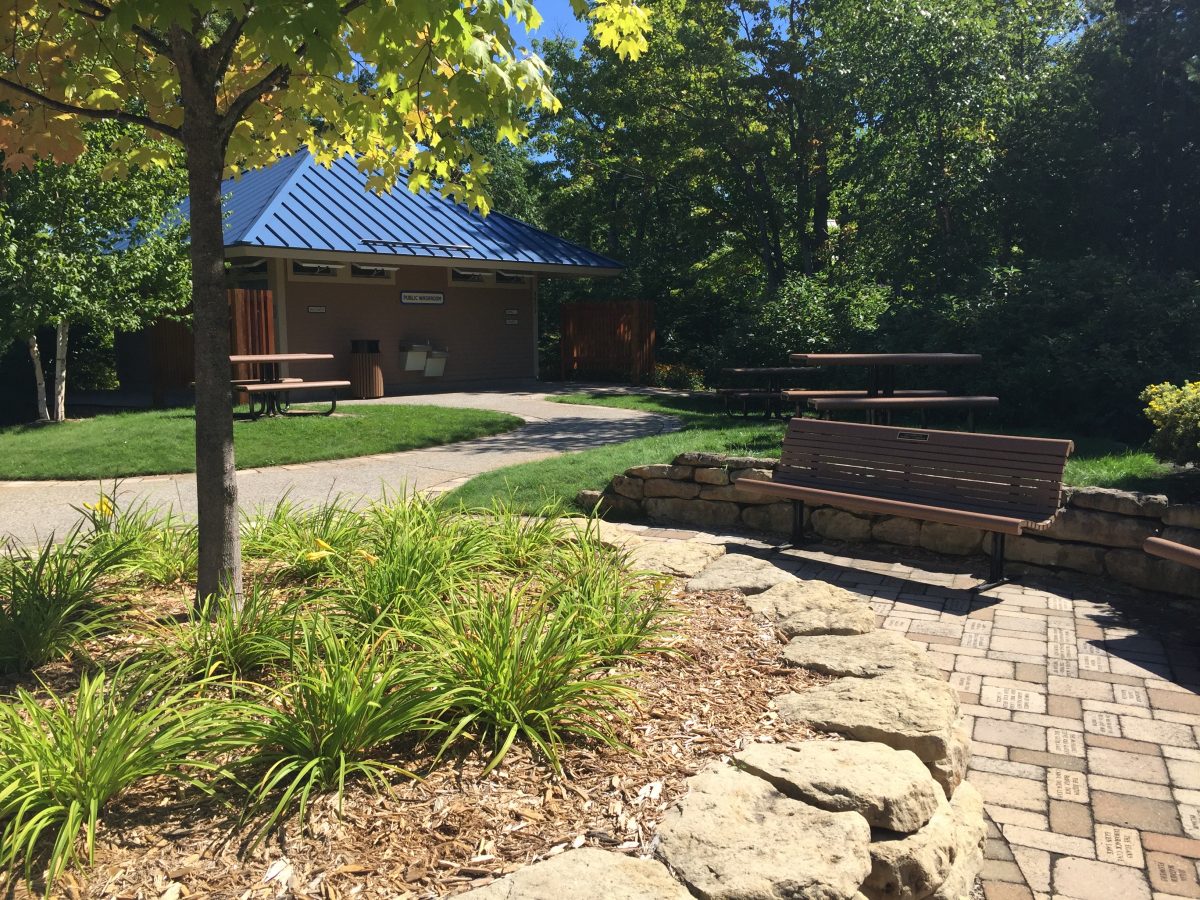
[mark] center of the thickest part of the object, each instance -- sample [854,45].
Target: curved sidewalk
[29,509]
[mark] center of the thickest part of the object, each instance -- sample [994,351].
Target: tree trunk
[39,377]
[60,371]
[220,567]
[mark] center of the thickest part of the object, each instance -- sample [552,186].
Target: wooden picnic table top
[883,359]
[277,357]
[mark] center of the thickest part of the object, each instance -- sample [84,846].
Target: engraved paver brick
[1064,742]
[1129,695]
[1005,697]
[1102,723]
[966,682]
[1087,879]
[1173,874]
[1191,819]
[1119,845]
[1063,784]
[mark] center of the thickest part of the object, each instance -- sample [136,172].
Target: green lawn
[163,441]
[530,486]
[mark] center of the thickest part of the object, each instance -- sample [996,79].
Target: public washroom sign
[422,298]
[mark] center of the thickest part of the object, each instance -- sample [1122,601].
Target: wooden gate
[611,339]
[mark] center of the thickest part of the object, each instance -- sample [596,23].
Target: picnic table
[270,389]
[772,394]
[881,394]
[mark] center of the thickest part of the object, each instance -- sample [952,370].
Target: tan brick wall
[471,324]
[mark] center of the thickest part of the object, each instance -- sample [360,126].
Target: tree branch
[159,44]
[118,115]
[237,109]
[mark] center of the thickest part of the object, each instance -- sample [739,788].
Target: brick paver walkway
[1086,730]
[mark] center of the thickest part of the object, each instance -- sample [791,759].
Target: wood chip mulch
[457,829]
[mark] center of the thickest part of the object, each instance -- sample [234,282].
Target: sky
[558,20]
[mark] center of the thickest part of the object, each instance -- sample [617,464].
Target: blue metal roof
[298,204]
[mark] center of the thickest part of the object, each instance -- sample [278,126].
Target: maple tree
[241,83]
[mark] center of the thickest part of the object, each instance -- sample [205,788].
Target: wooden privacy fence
[251,327]
[611,339]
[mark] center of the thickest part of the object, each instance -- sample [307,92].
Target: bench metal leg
[995,566]
[332,402]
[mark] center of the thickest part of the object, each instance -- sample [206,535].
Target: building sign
[422,298]
[510,312]
[316,309]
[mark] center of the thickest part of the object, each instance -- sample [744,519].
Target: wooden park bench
[273,393]
[998,483]
[1173,550]
[901,401]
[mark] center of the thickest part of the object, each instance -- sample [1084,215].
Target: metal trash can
[366,374]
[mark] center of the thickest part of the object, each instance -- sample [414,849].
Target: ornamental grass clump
[511,666]
[302,543]
[54,598]
[347,699]
[228,641]
[63,762]
[163,548]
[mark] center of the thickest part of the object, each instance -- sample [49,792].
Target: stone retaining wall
[1099,533]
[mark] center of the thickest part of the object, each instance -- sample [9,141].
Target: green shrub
[53,600]
[513,665]
[677,376]
[62,762]
[163,548]
[1175,413]
[303,542]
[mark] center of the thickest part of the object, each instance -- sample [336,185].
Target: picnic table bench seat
[997,483]
[287,385]
[888,403]
[1173,550]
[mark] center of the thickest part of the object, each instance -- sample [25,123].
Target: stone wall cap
[1129,503]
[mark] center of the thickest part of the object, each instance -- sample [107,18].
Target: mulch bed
[457,829]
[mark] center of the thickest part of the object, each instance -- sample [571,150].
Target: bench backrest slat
[996,474]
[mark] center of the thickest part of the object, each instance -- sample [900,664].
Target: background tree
[242,82]
[79,249]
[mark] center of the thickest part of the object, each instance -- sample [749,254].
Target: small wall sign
[422,298]
[510,312]
[316,309]
[510,321]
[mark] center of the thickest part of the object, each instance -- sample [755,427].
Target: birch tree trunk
[39,377]
[60,371]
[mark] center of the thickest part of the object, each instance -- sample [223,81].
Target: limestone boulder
[586,874]
[1054,554]
[739,572]
[737,493]
[940,855]
[1091,527]
[954,540]
[859,655]
[608,503]
[751,462]
[704,513]
[681,558]
[1185,515]
[666,487]
[736,837]
[897,530]
[951,769]
[812,607]
[839,525]
[775,518]
[1125,503]
[627,486]
[889,788]
[904,711]
[1151,573]
[711,475]
[699,458]
[675,473]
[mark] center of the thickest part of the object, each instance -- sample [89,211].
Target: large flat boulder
[739,572]
[735,837]
[813,607]
[889,788]
[586,874]
[904,711]
[945,854]
[859,655]
[682,558]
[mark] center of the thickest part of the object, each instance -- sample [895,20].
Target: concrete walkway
[29,509]
[1086,727]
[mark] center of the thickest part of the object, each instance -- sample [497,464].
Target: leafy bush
[347,699]
[513,665]
[677,376]
[1175,413]
[52,600]
[61,763]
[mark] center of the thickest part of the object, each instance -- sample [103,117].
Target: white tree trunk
[39,377]
[60,371]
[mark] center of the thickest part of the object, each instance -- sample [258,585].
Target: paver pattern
[1086,730]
